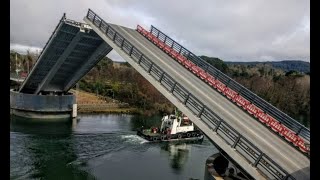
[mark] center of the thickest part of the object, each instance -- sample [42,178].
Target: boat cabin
[172,124]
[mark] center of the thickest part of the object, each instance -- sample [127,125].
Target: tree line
[288,91]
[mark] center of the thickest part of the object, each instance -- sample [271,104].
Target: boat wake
[134,139]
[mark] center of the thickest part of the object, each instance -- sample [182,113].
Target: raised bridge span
[268,146]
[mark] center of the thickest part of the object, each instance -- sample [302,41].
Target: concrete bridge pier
[221,167]
[53,107]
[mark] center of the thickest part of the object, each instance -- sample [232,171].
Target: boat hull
[157,137]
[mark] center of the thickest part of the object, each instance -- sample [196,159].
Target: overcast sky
[247,30]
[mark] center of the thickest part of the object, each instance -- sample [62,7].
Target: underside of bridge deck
[71,51]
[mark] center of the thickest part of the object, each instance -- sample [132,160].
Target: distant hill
[216,62]
[286,65]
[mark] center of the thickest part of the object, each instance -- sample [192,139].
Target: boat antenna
[177,112]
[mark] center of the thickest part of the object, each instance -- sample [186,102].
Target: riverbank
[91,103]
[106,108]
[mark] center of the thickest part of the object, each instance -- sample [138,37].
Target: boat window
[172,117]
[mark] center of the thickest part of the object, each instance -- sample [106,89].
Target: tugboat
[174,127]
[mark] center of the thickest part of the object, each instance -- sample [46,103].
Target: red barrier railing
[232,95]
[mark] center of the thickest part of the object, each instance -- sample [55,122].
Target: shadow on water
[42,151]
[32,127]
[178,153]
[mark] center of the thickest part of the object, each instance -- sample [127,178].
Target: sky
[247,30]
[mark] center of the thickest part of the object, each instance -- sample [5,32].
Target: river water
[101,147]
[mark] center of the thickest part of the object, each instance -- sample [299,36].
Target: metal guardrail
[63,18]
[289,122]
[247,149]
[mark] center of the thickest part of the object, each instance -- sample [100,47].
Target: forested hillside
[125,84]
[289,91]
[299,66]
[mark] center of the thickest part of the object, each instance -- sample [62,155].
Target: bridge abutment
[42,107]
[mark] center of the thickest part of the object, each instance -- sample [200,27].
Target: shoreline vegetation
[90,103]
[120,88]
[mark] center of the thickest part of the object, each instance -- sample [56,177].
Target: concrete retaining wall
[45,107]
[41,103]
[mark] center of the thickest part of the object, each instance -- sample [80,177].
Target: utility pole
[28,66]
[77,92]
[17,66]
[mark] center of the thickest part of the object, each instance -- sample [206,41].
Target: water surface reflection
[100,147]
[43,150]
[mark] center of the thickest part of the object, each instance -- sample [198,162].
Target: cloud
[113,55]
[231,30]
[22,49]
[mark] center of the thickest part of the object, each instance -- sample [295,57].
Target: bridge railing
[291,137]
[289,122]
[247,149]
[51,36]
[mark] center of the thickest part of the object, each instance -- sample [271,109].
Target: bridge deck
[281,152]
[71,51]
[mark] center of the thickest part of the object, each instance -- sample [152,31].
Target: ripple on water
[96,147]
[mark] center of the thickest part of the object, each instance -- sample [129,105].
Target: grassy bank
[91,103]
[98,108]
